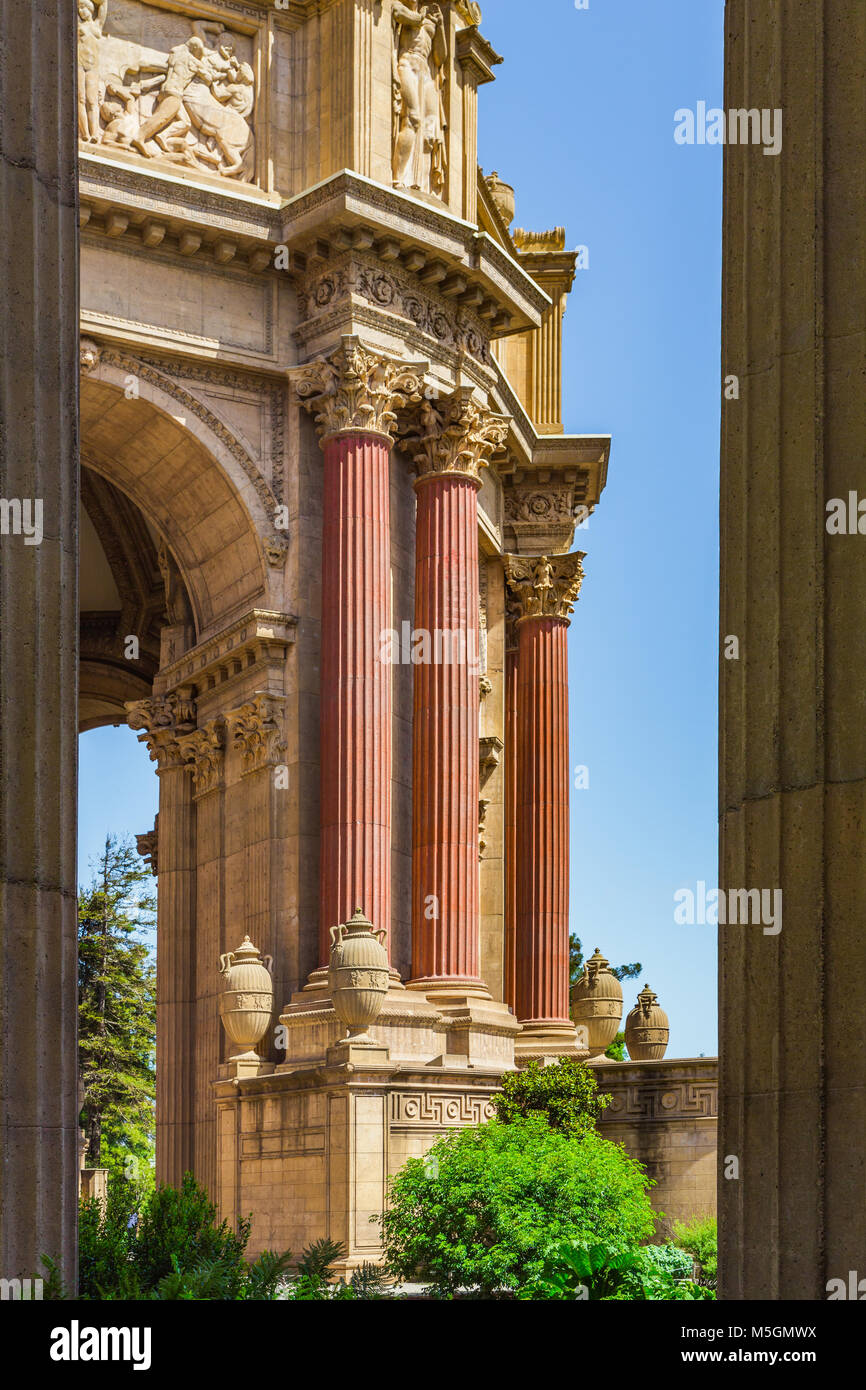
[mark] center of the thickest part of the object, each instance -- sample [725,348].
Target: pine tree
[117,1011]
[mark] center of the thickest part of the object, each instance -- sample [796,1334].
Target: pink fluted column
[445,875]
[542,818]
[511,826]
[355,684]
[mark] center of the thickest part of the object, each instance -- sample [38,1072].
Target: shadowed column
[163,723]
[545,591]
[792,1173]
[39,640]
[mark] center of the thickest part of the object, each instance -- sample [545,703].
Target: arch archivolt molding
[153,382]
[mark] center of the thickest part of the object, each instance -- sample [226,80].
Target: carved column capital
[356,389]
[256,730]
[542,587]
[453,436]
[148,846]
[203,752]
[162,722]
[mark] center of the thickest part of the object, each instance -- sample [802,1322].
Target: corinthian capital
[454,435]
[355,388]
[204,753]
[257,731]
[162,722]
[542,587]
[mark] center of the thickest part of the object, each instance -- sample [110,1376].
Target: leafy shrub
[599,1274]
[700,1238]
[482,1208]
[669,1259]
[166,1244]
[565,1093]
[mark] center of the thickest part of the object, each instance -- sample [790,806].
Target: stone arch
[188,475]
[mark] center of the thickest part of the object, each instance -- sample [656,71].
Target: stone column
[793,734]
[455,439]
[164,722]
[354,394]
[204,755]
[512,730]
[39,647]
[545,591]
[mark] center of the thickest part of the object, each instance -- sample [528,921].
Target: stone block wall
[666,1113]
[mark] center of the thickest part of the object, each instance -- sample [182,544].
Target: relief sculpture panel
[166,87]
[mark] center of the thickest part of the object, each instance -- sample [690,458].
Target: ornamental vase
[358,973]
[647,1029]
[596,1004]
[246,1003]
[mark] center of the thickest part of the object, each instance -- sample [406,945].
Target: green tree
[575,964]
[564,1093]
[117,1010]
[482,1208]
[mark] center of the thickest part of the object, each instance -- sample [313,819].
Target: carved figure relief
[419,56]
[188,102]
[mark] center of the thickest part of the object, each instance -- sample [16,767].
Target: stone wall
[665,1113]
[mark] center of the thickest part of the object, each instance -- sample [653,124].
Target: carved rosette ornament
[204,753]
[544,587]
[357,390]
[453,436]
[257,732]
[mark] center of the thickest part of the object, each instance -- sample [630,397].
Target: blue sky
[581,121]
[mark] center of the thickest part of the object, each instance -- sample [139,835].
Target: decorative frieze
[186,98]
[541,514]
[426,1108]
[453,435]
[544,587]
[357,389]
[641,1101]
[445,320]
[256,730]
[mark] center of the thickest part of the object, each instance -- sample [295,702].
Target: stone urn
[596,1004]
[358,975]
[647,1029]
[247,1000]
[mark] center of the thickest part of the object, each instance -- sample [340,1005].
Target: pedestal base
[546,1040]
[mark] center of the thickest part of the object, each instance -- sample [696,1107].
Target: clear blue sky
[580,120]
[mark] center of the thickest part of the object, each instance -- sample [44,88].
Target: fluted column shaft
[792,1082]
[39,644]
[445,771]
[512,733]
[176,1052]
[542,818]
[356,683]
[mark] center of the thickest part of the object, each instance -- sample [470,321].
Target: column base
[446,991]
[546,1040]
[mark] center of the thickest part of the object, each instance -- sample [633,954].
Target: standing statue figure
[420,53]
[91,23]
